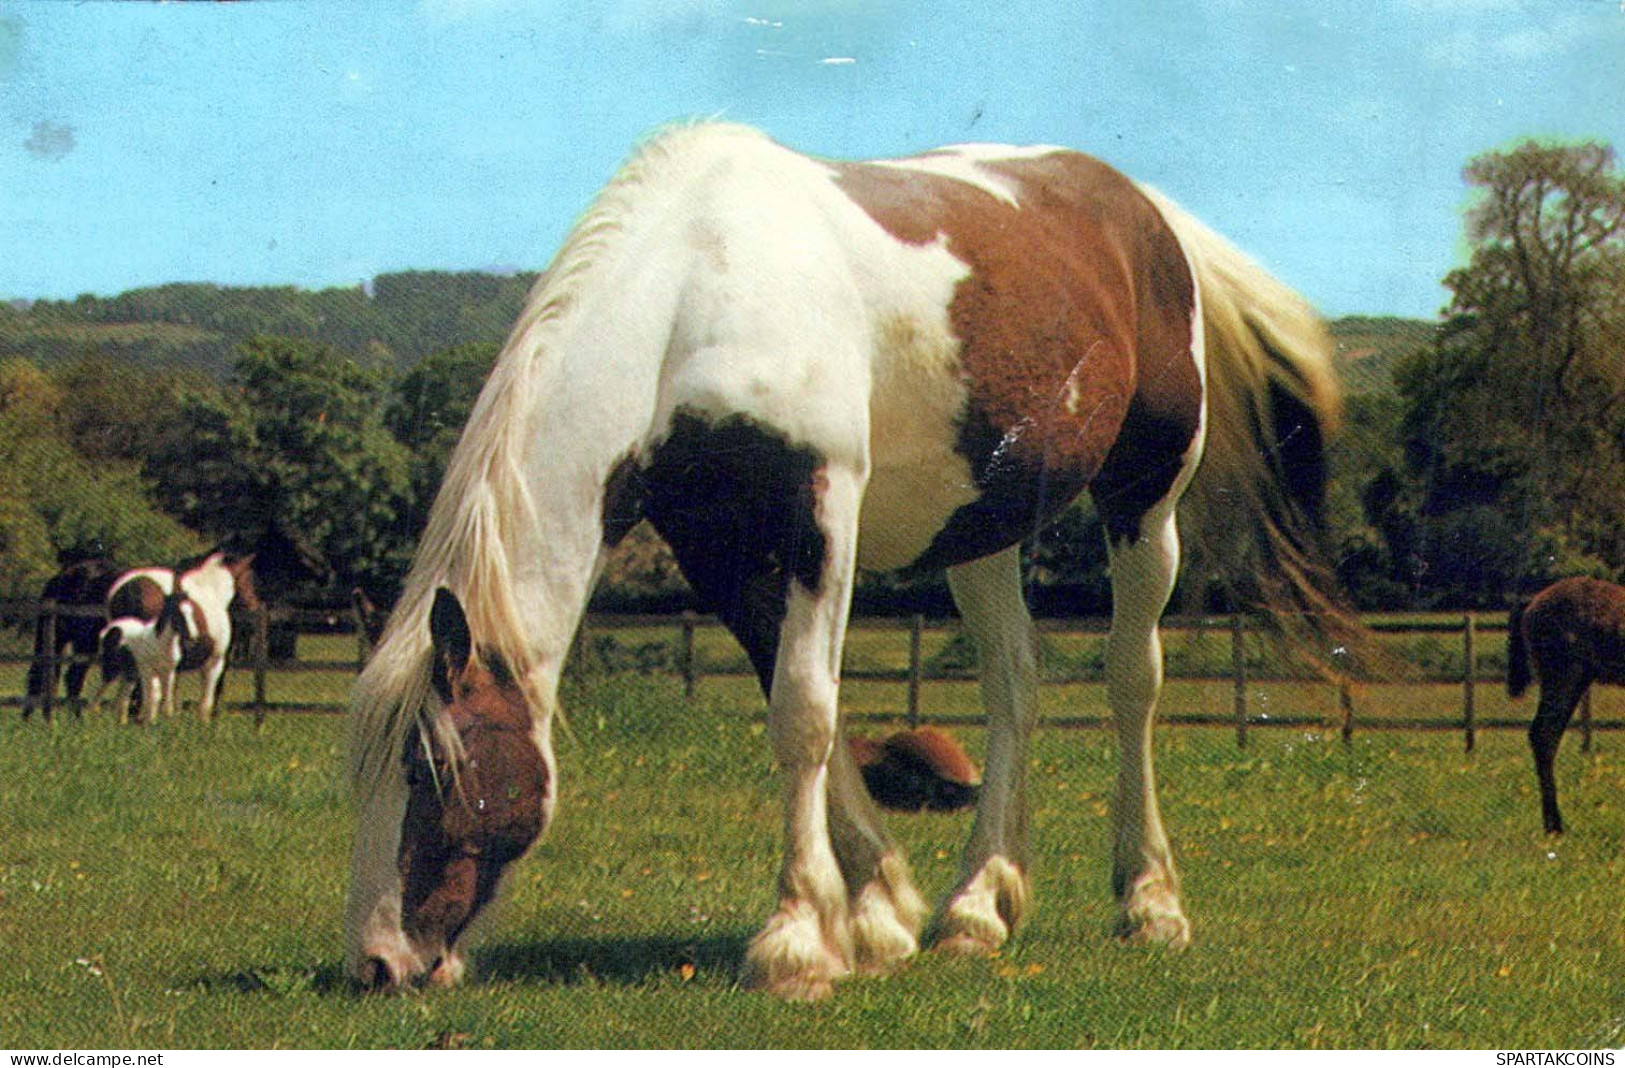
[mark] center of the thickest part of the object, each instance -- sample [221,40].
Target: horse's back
[1069,334]
[1578,620]
[1019,321]
[140,593]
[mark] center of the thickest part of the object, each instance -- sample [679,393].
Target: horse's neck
[575,394]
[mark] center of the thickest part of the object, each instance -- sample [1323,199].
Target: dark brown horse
[1568,636]
[82,584]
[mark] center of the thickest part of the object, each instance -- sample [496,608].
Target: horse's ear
[453,643]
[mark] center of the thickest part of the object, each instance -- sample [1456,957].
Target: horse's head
[241,569]
[476,801]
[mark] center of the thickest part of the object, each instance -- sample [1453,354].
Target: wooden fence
[685,661]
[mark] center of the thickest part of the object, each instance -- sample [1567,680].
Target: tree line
[1483,454]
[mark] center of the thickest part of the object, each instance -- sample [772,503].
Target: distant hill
[1370,347]
[395,321]
[404,316]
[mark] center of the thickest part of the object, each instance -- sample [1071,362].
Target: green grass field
[182,886]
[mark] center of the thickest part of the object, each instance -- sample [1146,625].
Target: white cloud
[1534,41]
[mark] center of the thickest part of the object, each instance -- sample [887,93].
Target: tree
[55,502]
[1516,411]
[431,403]
[299,441]
[112,411]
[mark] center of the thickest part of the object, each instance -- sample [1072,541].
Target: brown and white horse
[1568,636]
[796,368]
[184,614]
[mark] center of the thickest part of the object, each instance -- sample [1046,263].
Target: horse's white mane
[484,497]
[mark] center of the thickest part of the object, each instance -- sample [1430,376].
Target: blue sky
[315,144]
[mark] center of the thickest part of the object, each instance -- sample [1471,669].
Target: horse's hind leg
[85,647]
[886,909]
[1143,875]
[1558,698]
[993,888]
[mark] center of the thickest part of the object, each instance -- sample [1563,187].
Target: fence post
[1585,720]
[686,659]
[1238,667]
[47,664]
[1345,698]
[1469,655]
[916,626]
[259,649]
[575,665]
[362,649]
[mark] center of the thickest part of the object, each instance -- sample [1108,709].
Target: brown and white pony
[1568,636]
[140,656]
[187,608]
[796,368]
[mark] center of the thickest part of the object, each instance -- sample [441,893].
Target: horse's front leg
[807,943]
[157,696]
[212,676]
[1143,874]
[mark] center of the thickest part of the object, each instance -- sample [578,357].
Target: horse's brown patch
[140,598]
[462,830]
[1074,326]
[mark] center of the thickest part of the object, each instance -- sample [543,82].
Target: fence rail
[253,655]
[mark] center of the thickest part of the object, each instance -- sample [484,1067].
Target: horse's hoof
[791,958]
[801,987]
[965,944]
[1153,927]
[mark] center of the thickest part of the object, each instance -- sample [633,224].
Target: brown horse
[1568,636]
[82,584]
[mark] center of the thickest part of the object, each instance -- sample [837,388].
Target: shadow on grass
[560,962]
[323,979]
[616,961]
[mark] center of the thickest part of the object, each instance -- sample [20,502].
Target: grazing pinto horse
[1572,634]
[81,584]
[796,368]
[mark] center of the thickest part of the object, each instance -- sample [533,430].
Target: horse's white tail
[1273,400]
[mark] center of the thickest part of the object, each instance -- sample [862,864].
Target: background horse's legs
[807,943]
[84,647]
[156,696]
[1559,695]
[1143,875]
[993,888]
[213,676]
[40,682]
